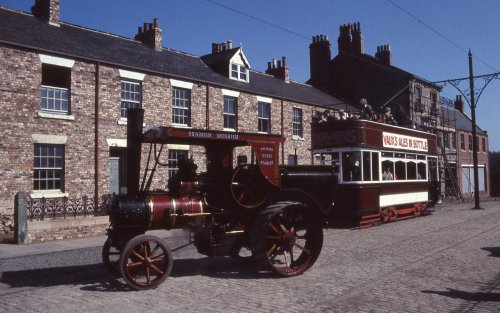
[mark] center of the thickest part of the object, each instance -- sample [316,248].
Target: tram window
[375,169]
[388,168]
[411,156]
[351,166]
[420,157]
[400,170]
[366,166]
[411,170]
[400,155]
[387,154]
[421,171]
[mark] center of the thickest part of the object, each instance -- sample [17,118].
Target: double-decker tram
[385,172]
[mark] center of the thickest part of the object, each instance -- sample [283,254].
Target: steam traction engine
[271,210]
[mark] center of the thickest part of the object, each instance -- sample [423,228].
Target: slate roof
[460,120]
[24,30]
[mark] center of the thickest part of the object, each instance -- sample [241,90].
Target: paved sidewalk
[10,250]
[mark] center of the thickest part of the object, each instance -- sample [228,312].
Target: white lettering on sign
[199,135]
[398,141]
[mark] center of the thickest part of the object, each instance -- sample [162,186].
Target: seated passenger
[388,118]
[387,175]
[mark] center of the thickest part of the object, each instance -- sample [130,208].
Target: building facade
[65,91]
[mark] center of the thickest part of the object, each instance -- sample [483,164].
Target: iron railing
[41,208]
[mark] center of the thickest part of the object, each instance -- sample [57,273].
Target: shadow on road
[96,278]
[468,296]
[494,251]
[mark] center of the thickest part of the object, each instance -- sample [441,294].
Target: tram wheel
[287,238]
[393,214]
[145,262]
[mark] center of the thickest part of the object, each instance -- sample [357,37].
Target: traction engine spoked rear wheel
[249,187]
[145,262]
[287,238]
[110,257]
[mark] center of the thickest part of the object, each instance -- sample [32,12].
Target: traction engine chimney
[134,133]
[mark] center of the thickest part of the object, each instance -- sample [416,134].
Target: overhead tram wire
[438,33]
[297,34]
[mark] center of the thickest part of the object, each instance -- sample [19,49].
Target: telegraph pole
[471,91]
[474,134]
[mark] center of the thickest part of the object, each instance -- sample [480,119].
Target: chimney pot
[283,60]
[229,44]
[156,23]
[279,64]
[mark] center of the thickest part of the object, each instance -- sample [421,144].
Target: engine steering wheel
[249,187]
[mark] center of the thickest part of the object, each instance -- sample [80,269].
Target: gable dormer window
[239,72]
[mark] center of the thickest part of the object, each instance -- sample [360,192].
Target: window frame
[126,99]
[238,72]
[176,108]
[297,123]
[172,159]
[263,120]
[230,116]
[38,167]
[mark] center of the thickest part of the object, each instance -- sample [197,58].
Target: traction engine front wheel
[145,262]
[287,238]
[110,257]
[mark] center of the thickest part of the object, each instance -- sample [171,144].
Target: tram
[385,172]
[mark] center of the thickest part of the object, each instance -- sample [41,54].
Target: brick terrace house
[354,74]
[65,91]
[457,142]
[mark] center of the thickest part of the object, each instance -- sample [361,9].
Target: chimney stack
[384,54]
[150,35]
[459,104]
[223,46]
[278,69]
[47,10]
[345,39]
[319,57]
[358,45]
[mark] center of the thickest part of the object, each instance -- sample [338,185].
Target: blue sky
[193,25]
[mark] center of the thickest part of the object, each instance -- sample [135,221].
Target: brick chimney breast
[459,103]
[150,34]
[278,69]
[358,45]
[319,57]
[47,10]
[384,54]
[345,38]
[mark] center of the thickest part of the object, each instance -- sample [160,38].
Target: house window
[434,110]
[173,158]
[418,98]
[239,72]
[131,96]
[483,142]
[264,117]
[446,140]
[292,159]
[181,106]
[297,129]
[470,142]
[453,141]
[230,112]
[56,81]
[48,169]
[462,142]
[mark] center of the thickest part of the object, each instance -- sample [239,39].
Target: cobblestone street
[446,262]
